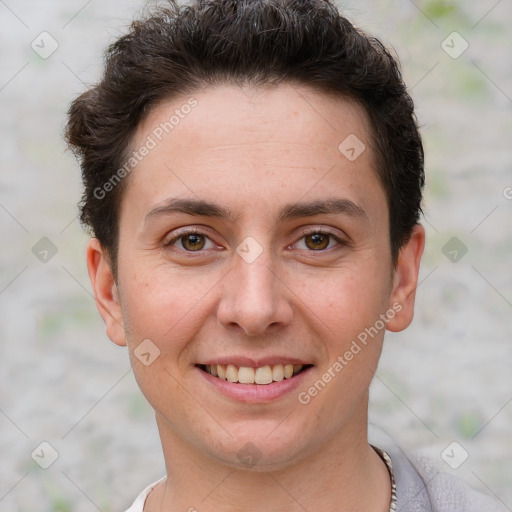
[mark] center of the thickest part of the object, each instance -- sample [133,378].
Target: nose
[255,300]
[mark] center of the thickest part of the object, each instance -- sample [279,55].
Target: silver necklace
[387,460]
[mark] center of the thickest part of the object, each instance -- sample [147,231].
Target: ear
[405,280]
[105,291]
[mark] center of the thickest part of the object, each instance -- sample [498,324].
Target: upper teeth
[248,375]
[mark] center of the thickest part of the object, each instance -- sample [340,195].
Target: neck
[344,474]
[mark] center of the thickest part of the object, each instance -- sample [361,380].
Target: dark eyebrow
[289,212]
[323,206]
[191,207]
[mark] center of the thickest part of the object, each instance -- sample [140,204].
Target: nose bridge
[254,298]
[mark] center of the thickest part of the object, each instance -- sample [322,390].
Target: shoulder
[138,504]
[421,487]
[450,494]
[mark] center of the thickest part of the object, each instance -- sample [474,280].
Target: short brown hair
[177,50]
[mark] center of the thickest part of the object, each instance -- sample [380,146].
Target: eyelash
[339,241]
[184,234]
[194,231]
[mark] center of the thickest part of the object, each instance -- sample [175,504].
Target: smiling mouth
[247,375]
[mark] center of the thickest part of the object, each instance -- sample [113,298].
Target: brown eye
[193,242]
[317,241]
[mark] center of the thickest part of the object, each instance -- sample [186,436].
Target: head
[177,51]
[252,178]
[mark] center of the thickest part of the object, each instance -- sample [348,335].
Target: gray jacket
[421,487]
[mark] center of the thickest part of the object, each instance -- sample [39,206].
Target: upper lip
[255,363]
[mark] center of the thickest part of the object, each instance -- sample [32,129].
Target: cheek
[165,306]
[163,313]
[345,312]
[347,300]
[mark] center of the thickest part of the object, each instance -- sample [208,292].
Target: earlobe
[105,291]
[405,280]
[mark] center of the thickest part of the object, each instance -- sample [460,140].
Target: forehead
[280,114]
[262,141]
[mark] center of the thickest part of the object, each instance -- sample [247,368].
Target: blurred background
[75,432]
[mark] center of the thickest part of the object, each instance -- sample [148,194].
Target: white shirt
[138,504]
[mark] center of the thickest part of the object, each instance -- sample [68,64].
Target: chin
[257,449]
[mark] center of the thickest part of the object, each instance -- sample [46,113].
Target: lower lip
[254,393]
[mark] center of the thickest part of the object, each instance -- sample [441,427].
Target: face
[253,248]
